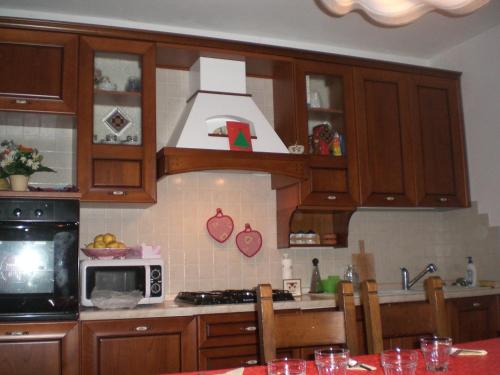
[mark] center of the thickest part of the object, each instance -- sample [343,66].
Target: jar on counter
[352,275]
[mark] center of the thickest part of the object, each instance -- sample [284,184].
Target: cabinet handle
[476,304]
[118,192]
[331,197]
[17,333]
[390,198]
[250,329]
[21,101]
[443,199]
[141,328]
[251,362]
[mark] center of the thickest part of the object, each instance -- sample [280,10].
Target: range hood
[200,142]
[217,95]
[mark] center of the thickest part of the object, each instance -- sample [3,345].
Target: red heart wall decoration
[249,241]
[220,226]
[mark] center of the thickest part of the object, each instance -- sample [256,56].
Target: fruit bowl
[106,252]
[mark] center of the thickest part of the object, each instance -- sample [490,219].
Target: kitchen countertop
[170,308]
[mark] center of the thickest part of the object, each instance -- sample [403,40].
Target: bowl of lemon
[106,246]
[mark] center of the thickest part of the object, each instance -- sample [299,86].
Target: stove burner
[230,296]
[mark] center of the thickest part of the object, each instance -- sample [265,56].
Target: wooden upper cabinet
[116,126]
[38,71]
[384,130]
[39,348]
[439,136]
[326,127]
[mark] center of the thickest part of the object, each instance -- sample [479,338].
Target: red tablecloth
[459,365]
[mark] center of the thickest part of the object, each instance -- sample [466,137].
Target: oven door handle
[38,225]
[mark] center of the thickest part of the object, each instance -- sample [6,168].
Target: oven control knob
[17,212]
[38,213]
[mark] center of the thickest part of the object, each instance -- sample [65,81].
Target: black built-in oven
[39,259]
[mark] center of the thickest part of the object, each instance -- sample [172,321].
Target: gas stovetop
[217,297]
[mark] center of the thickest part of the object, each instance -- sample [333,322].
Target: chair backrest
[413,322]
[296,329]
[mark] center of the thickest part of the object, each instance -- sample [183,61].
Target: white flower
[35,166]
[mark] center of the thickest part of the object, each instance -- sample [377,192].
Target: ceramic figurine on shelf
[336,145]
[322,137]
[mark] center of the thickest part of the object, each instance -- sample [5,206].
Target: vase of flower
[4,184]
[19,182]
[18,163]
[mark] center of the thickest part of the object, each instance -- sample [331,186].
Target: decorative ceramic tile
[117,121]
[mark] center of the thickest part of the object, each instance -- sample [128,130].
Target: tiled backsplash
[195,261]
[55,138]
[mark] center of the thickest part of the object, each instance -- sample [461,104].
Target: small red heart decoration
[220,226]
[249,241]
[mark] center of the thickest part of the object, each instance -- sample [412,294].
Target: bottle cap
[315,261]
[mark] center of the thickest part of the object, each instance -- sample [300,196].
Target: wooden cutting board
[364,263]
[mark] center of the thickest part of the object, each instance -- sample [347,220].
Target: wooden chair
[403,320]
[299,329]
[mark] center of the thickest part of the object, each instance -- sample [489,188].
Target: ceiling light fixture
[400,12]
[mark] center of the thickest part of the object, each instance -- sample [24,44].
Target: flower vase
[19,182]
[4,184]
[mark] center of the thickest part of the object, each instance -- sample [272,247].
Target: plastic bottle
[471,273]
[315,278]
[286,267]
[351,275]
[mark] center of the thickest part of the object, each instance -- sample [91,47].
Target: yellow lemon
[112,245]
[121,245]
[109,238]
[99,238]
[99,245]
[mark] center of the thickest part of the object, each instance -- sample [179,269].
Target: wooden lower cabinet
[227,340]
[473,318]
[39,348]
[231,340]
[138,346]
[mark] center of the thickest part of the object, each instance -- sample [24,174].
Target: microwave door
[115,278]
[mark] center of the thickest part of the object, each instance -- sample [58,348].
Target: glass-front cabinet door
[326,126]
[117,99]
[116,130]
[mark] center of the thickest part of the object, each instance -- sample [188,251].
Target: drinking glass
[436,352]
[286,366]
[399,362]
[331,361]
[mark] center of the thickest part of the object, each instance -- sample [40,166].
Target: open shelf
[172,160]
[330,111]
[40,194]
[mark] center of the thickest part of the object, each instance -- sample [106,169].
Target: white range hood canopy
[218,94]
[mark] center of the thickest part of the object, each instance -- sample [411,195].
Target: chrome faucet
[405,275]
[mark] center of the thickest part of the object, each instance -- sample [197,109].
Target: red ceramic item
[220,226]
[249,241]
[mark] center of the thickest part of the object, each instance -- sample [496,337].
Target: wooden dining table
[488,364]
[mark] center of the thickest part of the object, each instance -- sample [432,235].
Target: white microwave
[123,275]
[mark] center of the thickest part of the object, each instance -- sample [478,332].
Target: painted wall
[479,60]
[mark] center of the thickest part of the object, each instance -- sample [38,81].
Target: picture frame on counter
[293,286]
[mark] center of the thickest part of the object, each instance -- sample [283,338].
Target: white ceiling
[291,23]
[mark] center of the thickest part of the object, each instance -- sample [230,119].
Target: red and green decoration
[239,136]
